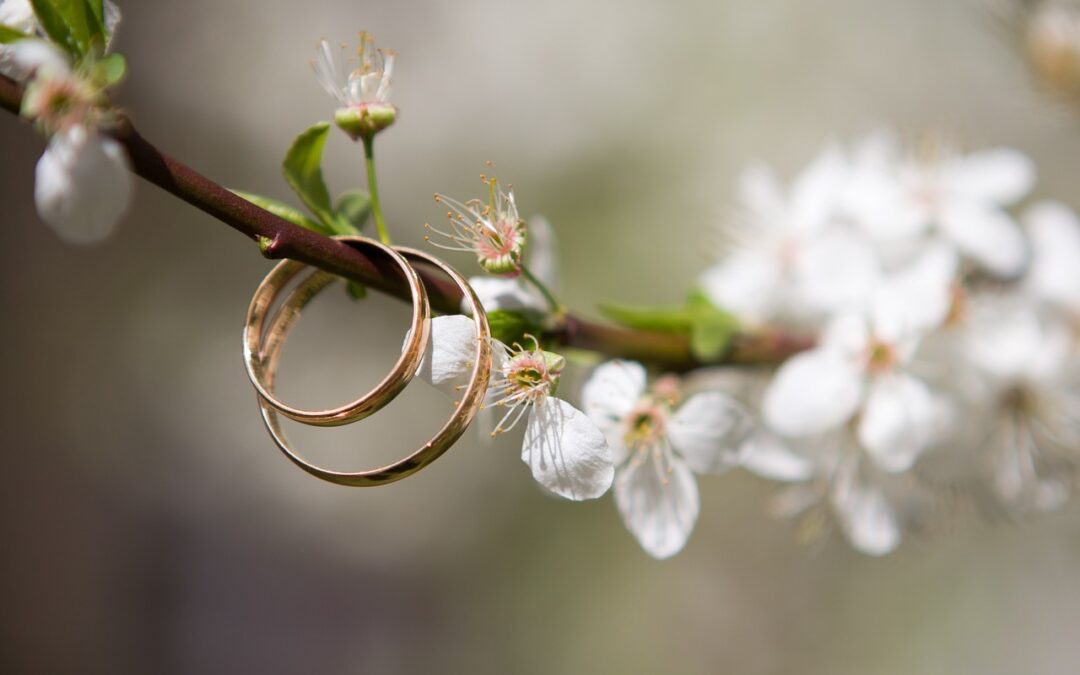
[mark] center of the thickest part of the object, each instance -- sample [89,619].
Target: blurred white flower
[567,453]
[789,257]
[1033,383]
[659,443]
[1054,276]
[82,182]
[861,366]
[82,185]
[17,14]
[960,198]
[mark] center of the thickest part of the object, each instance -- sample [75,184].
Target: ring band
[471,400]
[403,371]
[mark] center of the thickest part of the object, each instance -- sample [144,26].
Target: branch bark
[286,240]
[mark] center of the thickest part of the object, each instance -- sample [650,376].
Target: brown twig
[282,239]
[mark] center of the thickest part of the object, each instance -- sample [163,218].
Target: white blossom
[958,198]
[565,450]
[82,181]
[860,371]
[82,185]
[791,256]
[659,444]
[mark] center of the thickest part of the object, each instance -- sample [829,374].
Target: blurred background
[150,526]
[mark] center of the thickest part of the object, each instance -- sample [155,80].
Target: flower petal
[918,298]
[998,175]
[543,256]
[610,393]
[837,271]
[768,456]
[27,56]
[813,392]
[82,185]
[987,234]
[746,283]
[567,453]
[865,515]
[706,431]
[900,419]
[513,295]
[451,352]
[658,506]
[1055,265]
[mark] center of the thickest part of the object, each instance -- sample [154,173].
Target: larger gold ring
[404,370]
[470,402]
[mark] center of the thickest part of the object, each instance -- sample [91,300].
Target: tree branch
[286,240]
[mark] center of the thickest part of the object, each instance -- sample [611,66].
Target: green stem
[373,189]
[553,303]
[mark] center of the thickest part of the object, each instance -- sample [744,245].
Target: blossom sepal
[366,120]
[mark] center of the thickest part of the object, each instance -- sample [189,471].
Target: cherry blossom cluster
[942,302]
[83,181]
[945,329]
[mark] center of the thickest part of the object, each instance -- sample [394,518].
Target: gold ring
[471,400]
[269,290]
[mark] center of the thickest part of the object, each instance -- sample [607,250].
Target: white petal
[28,56]
[813,392]
[706,431]
[1008,341]
[543,255]
[82,185]
[769,457]
[816,192]
[900,419]
[609,395]
[567,453]
[749,284]
[866,517]
[497,293]
[451,352]
[658,506]
[1055,243]
[918,298]
[837,271]
[18,14]
[986,234]
[999,175]
[112,20]
[846,334]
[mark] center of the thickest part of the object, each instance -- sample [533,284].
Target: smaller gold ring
[471,400]
[403,371]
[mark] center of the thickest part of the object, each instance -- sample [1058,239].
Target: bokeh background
[149,525]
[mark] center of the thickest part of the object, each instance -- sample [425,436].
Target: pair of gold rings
[264,341]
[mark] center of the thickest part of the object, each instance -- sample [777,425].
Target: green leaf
[355,290]
[354,207]
[710,337]
[97,7]
[111,69]
[710,328]
[303,173]
[9,34]
[73,24]
[95,21]
[56,26]
[666,319]
[510,327]
[284,211]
